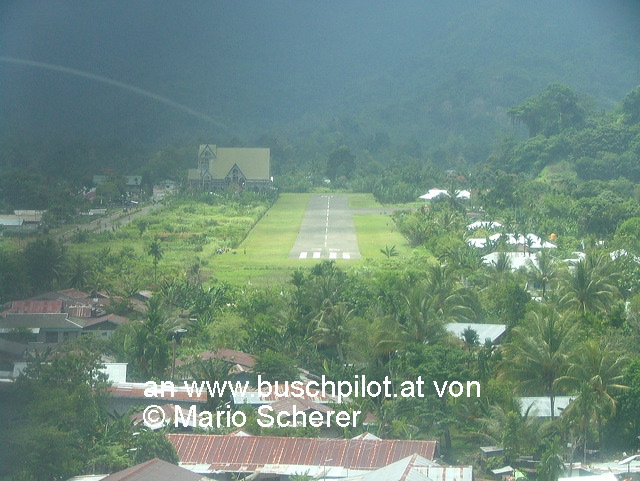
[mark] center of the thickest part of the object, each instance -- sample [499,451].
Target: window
[50,337]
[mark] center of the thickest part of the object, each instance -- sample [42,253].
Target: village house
[277,458]
[104,326]
[232,168]
[127,395]
[45,328]
[241,363]
[491,332]
[154,470]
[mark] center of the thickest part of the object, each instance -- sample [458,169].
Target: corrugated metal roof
[249,454]
[154,470]
[540,406]
[11,221]
[112,318]
[40,321]
[79,311]
[36,307]
[485,331]
[229,355]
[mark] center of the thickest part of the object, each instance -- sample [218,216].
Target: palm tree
[155,250]
[332,327]
[422,323]
[389,251]
[213,370]
[518,433]
[543,272]
[596,370]
[589,286]
[451,299]
[148,346]
[536,357]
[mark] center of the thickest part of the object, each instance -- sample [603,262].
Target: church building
[232,168]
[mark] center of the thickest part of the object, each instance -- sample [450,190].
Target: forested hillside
[415,85]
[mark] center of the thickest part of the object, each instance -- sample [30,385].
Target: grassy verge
[377,231]
[262,258]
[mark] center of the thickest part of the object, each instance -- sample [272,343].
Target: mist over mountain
[435,74]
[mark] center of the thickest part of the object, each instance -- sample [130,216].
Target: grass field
[376,231]
[263,257]
[193,232]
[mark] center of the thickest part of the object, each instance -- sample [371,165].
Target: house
[416,468]
[166,187]
[30,216]
[10,354]
[540,406]
[47,328]
[127,395]
[241,363]
[516,259]
[104,326]
[34,307]
[154,470]
[278,457]
[236,168]
[491,332]
[11,222]
[435,193]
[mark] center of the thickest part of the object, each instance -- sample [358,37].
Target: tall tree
[536,356]
[589,285]
[148,348]
[332,327]
[595,372]
[156,252]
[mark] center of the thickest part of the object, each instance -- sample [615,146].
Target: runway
[327,230]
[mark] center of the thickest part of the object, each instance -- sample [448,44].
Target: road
[110,222]
[327,230]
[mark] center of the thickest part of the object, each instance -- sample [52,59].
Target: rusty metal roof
[229,355]
[253,453]
[35,307]
[154,470]
[79,311]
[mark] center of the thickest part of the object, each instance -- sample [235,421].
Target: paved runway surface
[327,230]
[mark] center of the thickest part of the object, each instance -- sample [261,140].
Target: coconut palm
[537,355]
[421,322]
[543,272]
[518,433]
[156,252]
[451,300]
[332,327]
[596,370]
[589,285]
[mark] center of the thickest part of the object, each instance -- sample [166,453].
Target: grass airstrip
[254,253]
